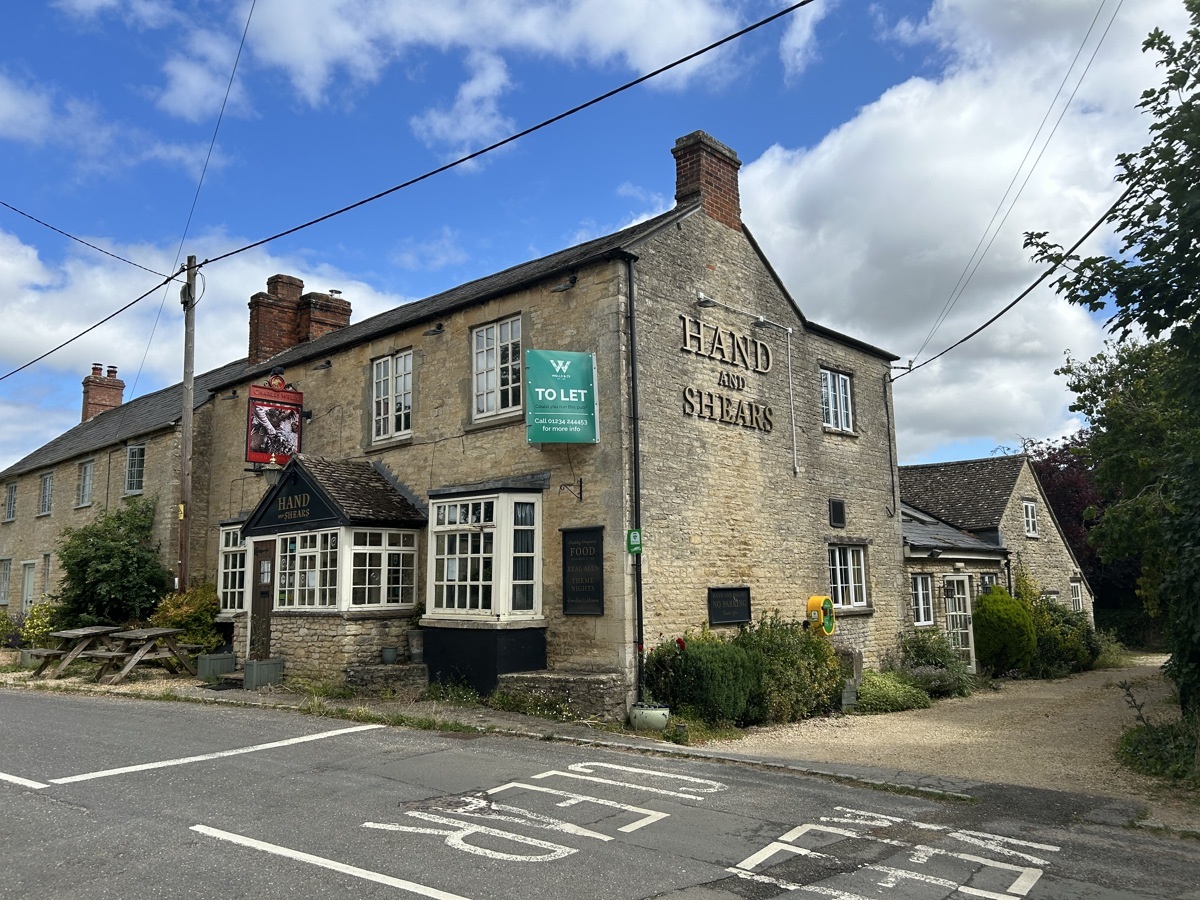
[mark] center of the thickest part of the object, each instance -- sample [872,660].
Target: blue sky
[877,142]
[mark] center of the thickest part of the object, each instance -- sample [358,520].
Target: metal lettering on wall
[583,571]
[739,352]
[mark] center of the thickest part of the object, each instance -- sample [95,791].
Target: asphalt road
[108,798]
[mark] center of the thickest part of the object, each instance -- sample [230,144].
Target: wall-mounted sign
[633,540]
[560,398]
[583,571]
[273,424]
[728,605]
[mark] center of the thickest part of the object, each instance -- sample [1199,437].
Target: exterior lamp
[272,470]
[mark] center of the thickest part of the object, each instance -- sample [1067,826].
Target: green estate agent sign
[560,397]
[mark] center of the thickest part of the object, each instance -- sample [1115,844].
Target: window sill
[503,420]
[841,612]
[137,493]
[41,515]
[482,624]
[829,429]
[404,440]
[83,505]
[290,612]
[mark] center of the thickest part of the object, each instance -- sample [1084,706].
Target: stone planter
[416,645]
[649,716]
[211,666]
[27,660]
[389,655]
[260,672]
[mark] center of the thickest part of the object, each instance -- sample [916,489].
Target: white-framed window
[496,367]
[46,494]
[836,411]
[392,396]
[87,471]
[383,568]
[5,580]
[233,570]
[10,501]
[922,599]
[485,557]
[307,569]
[135,468]
[987,581]
[1076,596]
[848,575]
[1031,523]
[46,557]
[28,574]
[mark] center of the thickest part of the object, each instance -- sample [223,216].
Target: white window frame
[987,580]
[383,568]
[848,575]
[1077,596]
[1029,508]
[232,589]
[837,405]
[306,570]
[135,485]
[485,557]
[922,600]
[392,396]
[496,369]
[28,584]
[5,580]
[46,494]
[87,477]
[10,501]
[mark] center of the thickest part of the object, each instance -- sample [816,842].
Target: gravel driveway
[1059,735]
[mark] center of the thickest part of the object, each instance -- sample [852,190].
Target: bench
[44,653]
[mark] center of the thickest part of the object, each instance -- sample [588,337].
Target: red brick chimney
[707,170]
[101,392]
[320,314]
[285,316]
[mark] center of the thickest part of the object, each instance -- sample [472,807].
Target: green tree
[1150,286]
[111,570]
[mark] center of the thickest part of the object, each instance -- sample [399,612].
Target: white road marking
[577,770]
[458,838]
[699,785]
[23,782]
[333,865]
[143,767]
[648,816]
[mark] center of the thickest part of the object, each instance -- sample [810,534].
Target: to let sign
[583,571]
[728,605]
[560,397]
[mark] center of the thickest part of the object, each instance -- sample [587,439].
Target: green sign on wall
[560,397]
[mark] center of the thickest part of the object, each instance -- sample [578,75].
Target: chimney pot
[707,170]
[112,371]
[97,369]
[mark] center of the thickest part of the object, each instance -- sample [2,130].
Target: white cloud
[26,113]
[474,120]
[198,77]
[872,227]
[799,45]
[443,250]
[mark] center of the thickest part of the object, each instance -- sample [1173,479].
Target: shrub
[701,675]
[195,611]
[1167,750]
[884,692]
[1066,640]
[10,631]
[929,661]
[41,619]
[1005,639]
[798,670]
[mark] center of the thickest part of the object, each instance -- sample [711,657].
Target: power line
[515,137]
[196,197]
[976,259]
[1025,293]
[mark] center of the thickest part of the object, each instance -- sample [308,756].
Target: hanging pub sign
[273,422]
[583,571]
[560,398]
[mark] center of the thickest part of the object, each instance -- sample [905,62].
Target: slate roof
[137,418]
[362,491]
[970,494]
[925,532]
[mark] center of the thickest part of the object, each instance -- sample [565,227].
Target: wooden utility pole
[187,297]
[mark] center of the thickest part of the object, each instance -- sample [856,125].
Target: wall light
[705,302]
[437,329]
[328,364]
[564,285]
[272,470]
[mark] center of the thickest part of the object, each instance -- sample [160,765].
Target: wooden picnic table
[140,645]
[72,643]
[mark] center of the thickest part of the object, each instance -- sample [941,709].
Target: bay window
[233,570]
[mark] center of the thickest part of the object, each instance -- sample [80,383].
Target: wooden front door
[262,600]
[958,617]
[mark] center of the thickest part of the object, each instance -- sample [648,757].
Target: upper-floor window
[83,496]
[10,501]
[848,575]
[135,468]
[922,599]
[1031,523]
[46,494]
[496,367]
[1076,596]
[392,395]
[485,556]
[233,569]
[836,411]
[383,568]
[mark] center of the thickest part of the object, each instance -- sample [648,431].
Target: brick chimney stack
[707,170]
[101,392]
[285,316]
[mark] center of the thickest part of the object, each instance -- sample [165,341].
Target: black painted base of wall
[478,657]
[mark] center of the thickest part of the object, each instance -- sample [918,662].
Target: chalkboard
[583,571]
[728,605]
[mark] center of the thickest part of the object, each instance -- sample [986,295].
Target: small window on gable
[1031,517]
[836,407]
[837,513]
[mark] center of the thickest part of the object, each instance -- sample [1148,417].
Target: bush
[1167,751]
[10,631]
[41,619]
[1005,639]
[798,671]
[930,662]
[702,676]
[1066,641]
[194,611]
[884,692]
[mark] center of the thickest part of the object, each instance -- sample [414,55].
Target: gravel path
[1059,735]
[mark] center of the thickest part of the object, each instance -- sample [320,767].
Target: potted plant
[646,715]
[416,638]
